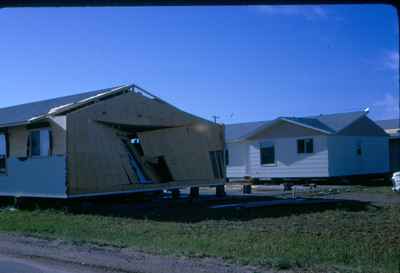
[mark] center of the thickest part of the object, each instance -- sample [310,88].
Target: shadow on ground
[190,210]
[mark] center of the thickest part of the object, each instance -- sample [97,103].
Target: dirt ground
[27,253]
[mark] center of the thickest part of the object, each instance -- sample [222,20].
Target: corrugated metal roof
[331,123]
[24,112]
[388,123]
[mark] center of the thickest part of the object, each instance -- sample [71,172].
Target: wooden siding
[288,162]
[185,149]
[135,109]
[18,140]
[58,127]
[96,158]
[345,161]
[98,161]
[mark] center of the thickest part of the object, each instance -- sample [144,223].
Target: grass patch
[339,239]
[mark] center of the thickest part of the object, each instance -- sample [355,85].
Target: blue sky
[239,63]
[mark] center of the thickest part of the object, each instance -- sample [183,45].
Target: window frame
[50,145]
[302,146]
[264,145]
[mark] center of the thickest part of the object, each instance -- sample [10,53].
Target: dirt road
[26,254]
[12,264]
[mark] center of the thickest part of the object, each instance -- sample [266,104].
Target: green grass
[340,239]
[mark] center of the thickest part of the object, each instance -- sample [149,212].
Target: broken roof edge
[62,109]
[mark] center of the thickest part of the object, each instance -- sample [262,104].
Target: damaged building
[110,141]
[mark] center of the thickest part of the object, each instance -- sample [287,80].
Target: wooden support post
[175,194]
[220,191]
[247,189]
[194,192]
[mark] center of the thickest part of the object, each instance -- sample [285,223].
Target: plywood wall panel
[58,127]
[98,160]
[18,139]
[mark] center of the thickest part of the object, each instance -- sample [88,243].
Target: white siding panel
[345,161]
[238,154]
[288,162]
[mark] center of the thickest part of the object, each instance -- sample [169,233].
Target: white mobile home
[334,145]
[391,126]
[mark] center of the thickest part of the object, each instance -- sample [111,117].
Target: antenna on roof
[366,110]
[215,118]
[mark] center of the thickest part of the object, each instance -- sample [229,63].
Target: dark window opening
[226,157]
[305,146]
[359,149]
[300,146]
[163,170]
[217,163]
[2,164]
[40,143]
[135,164]
[160,167]
[3,153]
[267,154]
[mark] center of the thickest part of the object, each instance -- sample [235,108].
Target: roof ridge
[248,122]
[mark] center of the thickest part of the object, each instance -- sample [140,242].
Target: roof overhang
[24,123]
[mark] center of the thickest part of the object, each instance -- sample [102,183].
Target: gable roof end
[327,124]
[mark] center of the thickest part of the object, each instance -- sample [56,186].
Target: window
[3,153]
[217,163]
[305,146]
[267,153]
[40,142]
